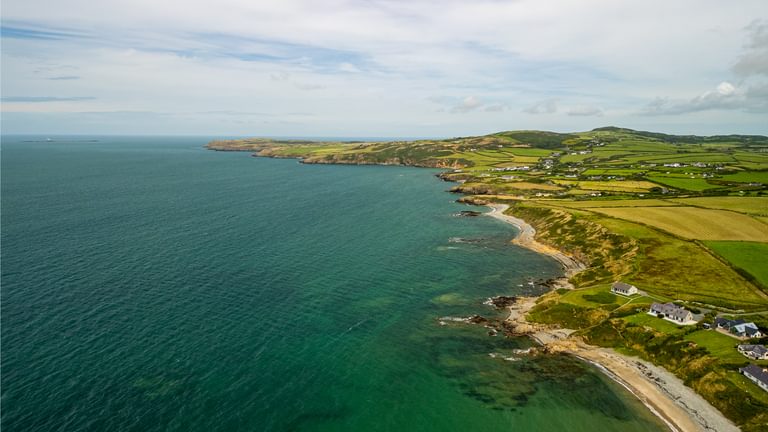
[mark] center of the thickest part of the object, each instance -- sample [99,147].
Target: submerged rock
[501,302]
[470,213]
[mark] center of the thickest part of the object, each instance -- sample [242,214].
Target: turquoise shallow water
[151,285]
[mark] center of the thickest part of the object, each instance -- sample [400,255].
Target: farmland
[694,223]
[757,206]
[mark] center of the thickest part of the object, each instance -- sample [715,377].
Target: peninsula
[681,219]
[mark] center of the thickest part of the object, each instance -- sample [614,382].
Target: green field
[750,205]
[609,203]
[680,269]
[694,223]
[659,324]
[719,345]
[748,177]
[684,183]
[750,257]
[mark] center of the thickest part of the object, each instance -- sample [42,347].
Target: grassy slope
[750,257]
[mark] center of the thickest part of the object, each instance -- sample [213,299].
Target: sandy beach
[663,393]
[526,238]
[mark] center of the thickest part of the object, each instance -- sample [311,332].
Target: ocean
[149,284]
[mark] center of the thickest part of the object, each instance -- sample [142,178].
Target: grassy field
[684,183]
[600,296]
[748,177]
[750,257]
[720,345]
[750,205]
[609,203]
[611,186]
[694,223]
[679,269]
[659,324]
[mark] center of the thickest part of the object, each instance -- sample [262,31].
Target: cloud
[585,111]
[469,103]
[144,55]
[349,67]
[309,86]
[496,108]
[726,96]
[543,107]
[64,78]
[38,99]
[279,76]
[754,60]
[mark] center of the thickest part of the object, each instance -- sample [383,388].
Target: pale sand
[663,393]
[526,238]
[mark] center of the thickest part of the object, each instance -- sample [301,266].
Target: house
[756,352]
[739,328]
[623,288]
[756,374]
[671,312]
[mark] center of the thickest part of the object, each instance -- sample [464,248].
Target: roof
[733,323]
[670,310]
[757,372]
[760,350]
[621,286]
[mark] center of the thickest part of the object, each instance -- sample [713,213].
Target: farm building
[757,375]
[757,352]
[623,288]
[672,312]
[739,328]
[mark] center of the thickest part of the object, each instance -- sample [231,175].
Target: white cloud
[469,103]
[585,111]
[349,67]
[542,107]
[379,62]
[725,97]
[754,60]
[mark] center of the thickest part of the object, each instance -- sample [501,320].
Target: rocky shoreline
[677,405]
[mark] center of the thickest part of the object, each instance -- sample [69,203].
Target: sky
[382,68]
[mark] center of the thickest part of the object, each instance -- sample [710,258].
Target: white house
[756,352]
[672,312]
[623,288]
[757,375]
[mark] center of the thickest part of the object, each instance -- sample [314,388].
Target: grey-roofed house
[672,312]
[739,327]
[757,352]
[623,288]
[756,374]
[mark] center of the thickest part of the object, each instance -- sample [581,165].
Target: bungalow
[623,288]
[671,312]
[757,375]
[756,352]
[739,328]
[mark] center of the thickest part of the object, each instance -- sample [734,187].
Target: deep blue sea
[149,284]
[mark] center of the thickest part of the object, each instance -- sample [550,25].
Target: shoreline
[526,238]
[665,395]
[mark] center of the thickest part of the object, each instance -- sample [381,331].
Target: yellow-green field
[611,186]
[609,203]
[752,205]
[694,223]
